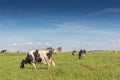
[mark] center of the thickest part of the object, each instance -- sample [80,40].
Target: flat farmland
[96,66]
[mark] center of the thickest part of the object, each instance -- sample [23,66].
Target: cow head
[22,64]
[50,54]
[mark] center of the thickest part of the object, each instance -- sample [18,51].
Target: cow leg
[79,56]
[48,63]
[34,65]
[53,63]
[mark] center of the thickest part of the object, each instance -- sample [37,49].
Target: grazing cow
[3,51]
[82,54]
[73,52]
[40,56]
[55,52]
[115,51]
[19,51]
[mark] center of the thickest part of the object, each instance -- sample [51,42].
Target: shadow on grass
[42,68]
[38,68]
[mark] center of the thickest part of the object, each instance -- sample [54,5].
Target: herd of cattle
[81,54]
[44,57]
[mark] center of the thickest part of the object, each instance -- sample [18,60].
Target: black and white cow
[82,54]
[39,56]
[74,52]
[3,51]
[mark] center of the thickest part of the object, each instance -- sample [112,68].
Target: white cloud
[104,11]
[69,46]
[34,44]
[69,27]
[111,10]
[48,44]
[29,43]
[79,28]
[38,43]
[14,44]
[98,45]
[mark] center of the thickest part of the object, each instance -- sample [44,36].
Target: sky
[70,24]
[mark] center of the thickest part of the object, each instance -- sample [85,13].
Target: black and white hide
[82,54]
[38,56]
[3,51]
[74,52]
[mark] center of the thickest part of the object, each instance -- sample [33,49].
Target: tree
[59,49]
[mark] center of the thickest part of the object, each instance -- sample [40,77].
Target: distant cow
[40,56]
[82,54]
[115,51]
[18,51]
[55,52]
[73,52]
[3,51]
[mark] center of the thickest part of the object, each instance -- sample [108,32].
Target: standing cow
[39,56]
[18,51]
[3,51]
[74,52]
[82,54]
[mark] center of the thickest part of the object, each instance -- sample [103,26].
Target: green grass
[96,66]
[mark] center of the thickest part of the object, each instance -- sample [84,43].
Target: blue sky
[70,24]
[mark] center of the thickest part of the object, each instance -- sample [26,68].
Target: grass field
[96,66]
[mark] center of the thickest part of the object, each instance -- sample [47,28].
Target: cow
[18,51]
[73,52]
[115,51]
[82,54]
[3,51]
[38,56]
[55,52]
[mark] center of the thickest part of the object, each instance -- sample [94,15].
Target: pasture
[96,66]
